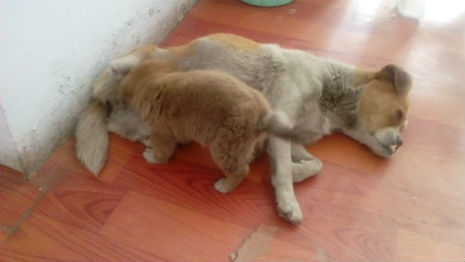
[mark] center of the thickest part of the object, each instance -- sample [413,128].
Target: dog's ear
[398,78]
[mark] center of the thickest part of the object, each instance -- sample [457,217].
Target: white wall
[51,51]
[8,152]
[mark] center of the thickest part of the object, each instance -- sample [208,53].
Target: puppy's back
[211,92]
[199,103]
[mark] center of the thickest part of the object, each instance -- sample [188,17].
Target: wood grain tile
[359,208]
[42,238]
[171,231]
[16,198]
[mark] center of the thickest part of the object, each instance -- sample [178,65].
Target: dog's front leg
[304,165]
[279,150]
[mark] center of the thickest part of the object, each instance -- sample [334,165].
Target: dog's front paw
[305,169]
[290,211]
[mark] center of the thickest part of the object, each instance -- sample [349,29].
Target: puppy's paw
[290,211]
[148,155]
[305,169]
[221,186]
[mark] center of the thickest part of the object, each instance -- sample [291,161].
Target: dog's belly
[310,129]
[127,123]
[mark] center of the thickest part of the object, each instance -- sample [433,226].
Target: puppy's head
[382,111]
[106,85]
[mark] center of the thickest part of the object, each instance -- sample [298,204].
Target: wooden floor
[359,208]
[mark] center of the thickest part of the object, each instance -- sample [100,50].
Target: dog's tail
[91,131]
[276,123]
[92,136]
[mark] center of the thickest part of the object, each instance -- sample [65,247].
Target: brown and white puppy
[318,95]
[205,106]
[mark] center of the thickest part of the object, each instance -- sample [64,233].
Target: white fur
[92,138]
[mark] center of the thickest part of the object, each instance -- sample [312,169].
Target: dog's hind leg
[260,146]
[233,158]
[279,150]
[162,149]
[232,179]
[304,165]
[299,153]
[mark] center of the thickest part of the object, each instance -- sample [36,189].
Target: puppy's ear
[398,78]
[121,66]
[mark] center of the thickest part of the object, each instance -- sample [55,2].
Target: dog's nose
[394,147]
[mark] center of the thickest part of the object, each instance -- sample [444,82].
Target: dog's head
[382,111]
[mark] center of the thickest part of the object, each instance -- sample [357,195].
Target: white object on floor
[412,8]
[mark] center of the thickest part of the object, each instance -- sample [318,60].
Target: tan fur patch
[235,41]
[384,101]
[183,50]
[146,51]
[132,83]
[381,106]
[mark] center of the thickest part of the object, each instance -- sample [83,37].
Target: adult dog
[320,96]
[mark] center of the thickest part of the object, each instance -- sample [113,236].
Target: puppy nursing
[318,96]
[208,107]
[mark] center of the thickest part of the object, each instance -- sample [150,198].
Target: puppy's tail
[276,123]
[92,136]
